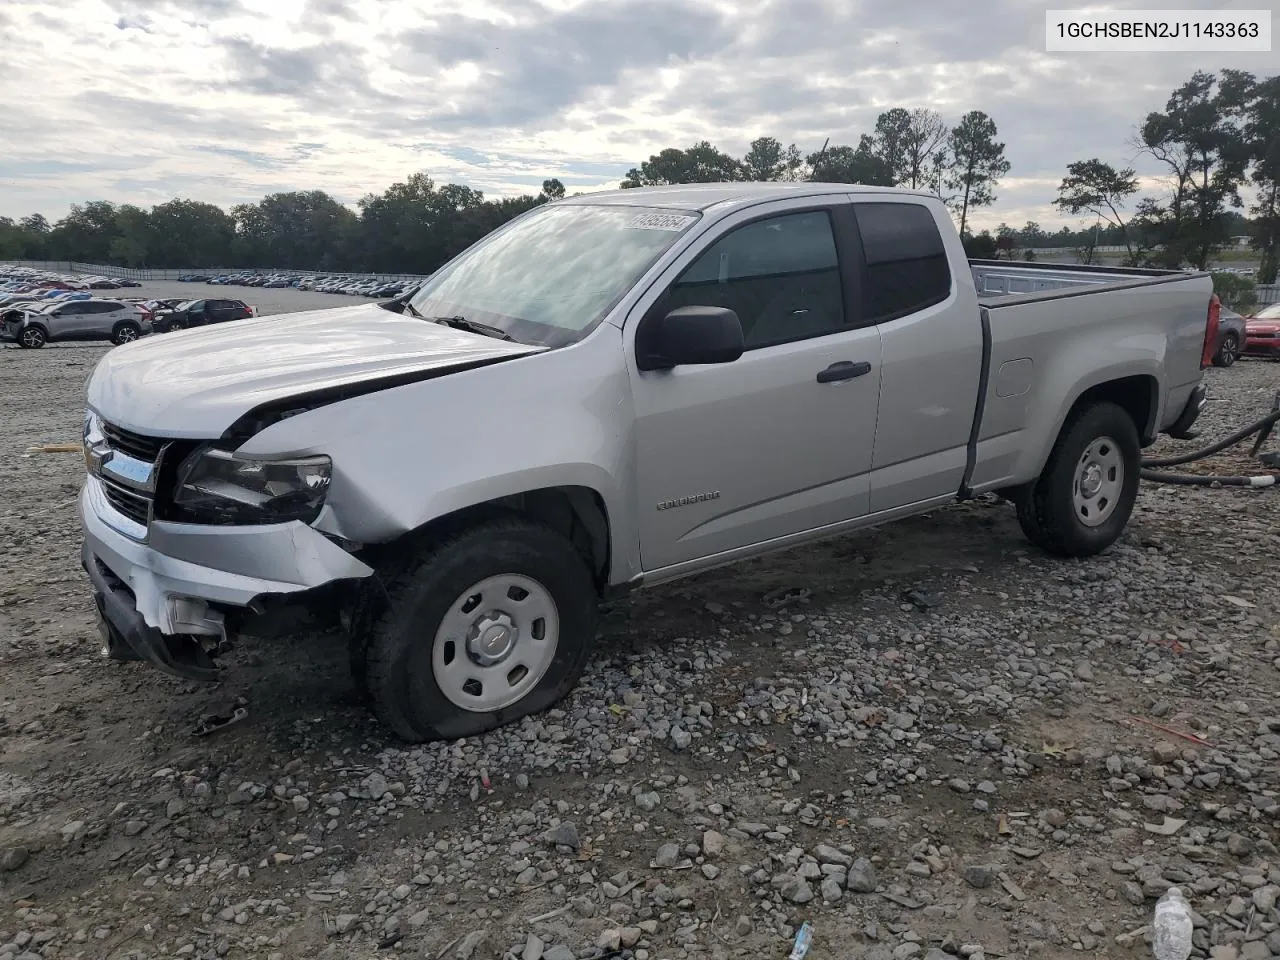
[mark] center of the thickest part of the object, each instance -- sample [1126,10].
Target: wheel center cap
[1091,481]
[492,639]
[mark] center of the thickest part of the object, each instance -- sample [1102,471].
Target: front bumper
[160,599]
[1262,347]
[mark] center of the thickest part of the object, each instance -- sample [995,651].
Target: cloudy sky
[225,100]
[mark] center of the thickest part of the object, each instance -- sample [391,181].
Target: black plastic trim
[123,626]
[975,429]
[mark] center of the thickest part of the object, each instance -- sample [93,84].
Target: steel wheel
[495,643]
[1098,481]
[126,335]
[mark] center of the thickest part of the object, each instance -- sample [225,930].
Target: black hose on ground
[1201,480]
[1244,433]
[1262,426]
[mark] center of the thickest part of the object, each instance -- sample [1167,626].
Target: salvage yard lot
[267,300]
[924,738]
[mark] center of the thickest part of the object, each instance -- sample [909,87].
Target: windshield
[550,277]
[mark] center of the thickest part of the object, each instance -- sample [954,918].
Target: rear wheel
[32,338]
[1082,500]
[1228,351]
[125,332]
[485,627]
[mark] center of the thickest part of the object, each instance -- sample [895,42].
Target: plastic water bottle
[1171,930]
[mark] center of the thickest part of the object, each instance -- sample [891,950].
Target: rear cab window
[905,262]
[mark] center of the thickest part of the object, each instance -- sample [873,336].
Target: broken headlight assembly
[217,487]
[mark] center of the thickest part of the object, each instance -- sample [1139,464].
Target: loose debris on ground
[928,740]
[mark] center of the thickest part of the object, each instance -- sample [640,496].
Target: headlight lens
[216,486]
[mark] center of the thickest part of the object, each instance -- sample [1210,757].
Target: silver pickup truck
[611,391]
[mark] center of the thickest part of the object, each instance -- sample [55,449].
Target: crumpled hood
[196,383]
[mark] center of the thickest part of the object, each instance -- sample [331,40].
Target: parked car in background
[200,313]
[78,320]
[1262,333]
[1231,338]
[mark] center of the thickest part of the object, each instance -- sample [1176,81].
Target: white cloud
[226,100]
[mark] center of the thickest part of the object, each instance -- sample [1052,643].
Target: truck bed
[1003,281]
[1045,325]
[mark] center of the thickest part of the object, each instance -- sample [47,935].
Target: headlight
[216,486]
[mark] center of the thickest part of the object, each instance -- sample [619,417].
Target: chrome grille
[135,506]
[134,444]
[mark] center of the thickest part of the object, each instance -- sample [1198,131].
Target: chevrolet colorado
[611,391]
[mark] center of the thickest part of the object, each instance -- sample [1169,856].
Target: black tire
[32,337]
[399,675]
[174,326]
[125,332]
[1047,509]
[1228,351]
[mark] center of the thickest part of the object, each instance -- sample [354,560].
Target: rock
[826,854]
[532,948]
[559,952]
[565,835]
[797,891]
[1264,898]
[1165,752]
[374,786]
[420,919]
[629,936]
[668,855]
[1084,671]
[710,871]
[345,921]
[681,738]
[743,926]
[712,843]
[470,944]
[648,802]
[862,877]
[609,940]
[134,827]
[300,804]
[979,876]
[831,890]
[13,858]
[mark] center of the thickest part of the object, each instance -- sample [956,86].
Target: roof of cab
[702,196]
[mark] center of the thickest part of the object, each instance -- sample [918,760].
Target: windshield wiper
[462,323]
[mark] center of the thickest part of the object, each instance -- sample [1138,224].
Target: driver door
[779,442]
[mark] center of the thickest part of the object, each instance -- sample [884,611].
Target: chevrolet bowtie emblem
[95,455]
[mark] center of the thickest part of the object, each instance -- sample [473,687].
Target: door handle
[844,370]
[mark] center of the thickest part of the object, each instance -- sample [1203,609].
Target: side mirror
[688,335]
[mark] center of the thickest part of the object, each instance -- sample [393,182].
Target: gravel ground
[928,739]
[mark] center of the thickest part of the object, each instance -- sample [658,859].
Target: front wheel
[32,338]
[1082,500]
[1228,351]
[485,627]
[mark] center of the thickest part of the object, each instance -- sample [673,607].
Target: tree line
[1216,135]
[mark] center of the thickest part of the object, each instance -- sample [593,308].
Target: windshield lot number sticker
[661,221]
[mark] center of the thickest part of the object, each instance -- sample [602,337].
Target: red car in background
[1262,333]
